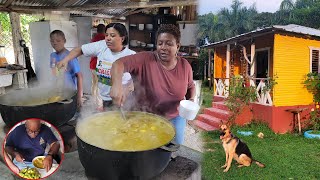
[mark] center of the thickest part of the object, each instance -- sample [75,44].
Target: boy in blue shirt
[73,76]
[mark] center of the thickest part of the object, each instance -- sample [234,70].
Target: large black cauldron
[57,113]
[119,165]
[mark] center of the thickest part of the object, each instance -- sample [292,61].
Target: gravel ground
[193,139]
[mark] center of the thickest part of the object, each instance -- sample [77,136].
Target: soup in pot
[38,101]
[141,131]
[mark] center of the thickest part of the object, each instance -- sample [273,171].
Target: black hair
[101,28]
[171,29]
[121,30]
[58,32]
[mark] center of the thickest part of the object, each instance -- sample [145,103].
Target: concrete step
[204,126]
[220,105]
[218,98]
[218,113]
[213,121]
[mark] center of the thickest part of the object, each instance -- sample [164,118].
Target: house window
[315,63]
[262,63]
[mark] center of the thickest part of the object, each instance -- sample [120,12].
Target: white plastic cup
[188,109]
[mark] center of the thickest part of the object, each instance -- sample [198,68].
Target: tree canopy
[238,19]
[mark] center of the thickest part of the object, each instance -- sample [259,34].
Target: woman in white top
[107,51]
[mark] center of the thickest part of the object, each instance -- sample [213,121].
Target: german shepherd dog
[235,149]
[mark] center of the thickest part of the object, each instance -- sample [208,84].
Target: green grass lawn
[287,156]
[207,96]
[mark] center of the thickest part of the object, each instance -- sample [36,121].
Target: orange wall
[220,62]
[291,64]
[220,54]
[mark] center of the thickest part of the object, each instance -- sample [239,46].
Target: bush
[312,83]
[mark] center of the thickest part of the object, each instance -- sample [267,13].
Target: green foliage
[207,96]
[227,23]
[312,83]
[7,30]
[315,119]
[202,60]
[271,82]
[205,23]
[239,96]
[25,20]
[237,19]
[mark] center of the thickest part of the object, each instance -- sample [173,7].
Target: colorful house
[285,53]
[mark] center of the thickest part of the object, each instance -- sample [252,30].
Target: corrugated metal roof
[287,28]
[115,8]
[299,29]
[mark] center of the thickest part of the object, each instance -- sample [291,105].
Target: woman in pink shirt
[161,79]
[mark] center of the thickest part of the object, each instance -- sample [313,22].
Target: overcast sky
[207,6]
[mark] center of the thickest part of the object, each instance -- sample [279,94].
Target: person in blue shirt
[28,141]
[73,76]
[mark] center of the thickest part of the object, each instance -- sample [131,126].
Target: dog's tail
[259,164]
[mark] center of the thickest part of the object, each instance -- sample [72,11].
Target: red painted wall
[263,113]
[278,119]
[245,117]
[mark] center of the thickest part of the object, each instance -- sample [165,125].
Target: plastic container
[188,109]
[309,135]
[245,133]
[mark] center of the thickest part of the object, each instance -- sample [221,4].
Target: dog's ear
[229,124]
[221,123]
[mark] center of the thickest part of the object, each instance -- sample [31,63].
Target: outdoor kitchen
[29,90]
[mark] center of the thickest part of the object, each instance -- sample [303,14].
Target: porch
[258,60]
[221,89]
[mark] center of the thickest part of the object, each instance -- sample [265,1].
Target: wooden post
[299,123]
[227,81]
[228,62]
[20,79]
[214,70]
[252,60]
[209,68]
[252,65]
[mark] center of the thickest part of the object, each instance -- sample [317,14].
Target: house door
[262,58]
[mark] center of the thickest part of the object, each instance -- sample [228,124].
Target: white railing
[263,94]
[221,87]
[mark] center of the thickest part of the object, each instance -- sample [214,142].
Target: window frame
[310,58]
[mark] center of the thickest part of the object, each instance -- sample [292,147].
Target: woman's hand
[79,100]
[62,64]
[116,93]
[127,89]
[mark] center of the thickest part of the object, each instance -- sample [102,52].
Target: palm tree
[300,4]
[286,10]
[206,24]
[238,19]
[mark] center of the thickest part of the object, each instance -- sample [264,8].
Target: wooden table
[296,111]
[4,71]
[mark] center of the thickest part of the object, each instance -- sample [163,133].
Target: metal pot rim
[141,112]
[74,93]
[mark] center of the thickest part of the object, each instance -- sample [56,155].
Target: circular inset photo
[33,149]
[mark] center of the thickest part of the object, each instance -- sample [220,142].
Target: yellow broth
[141,131]
[33,102]
[39,162]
